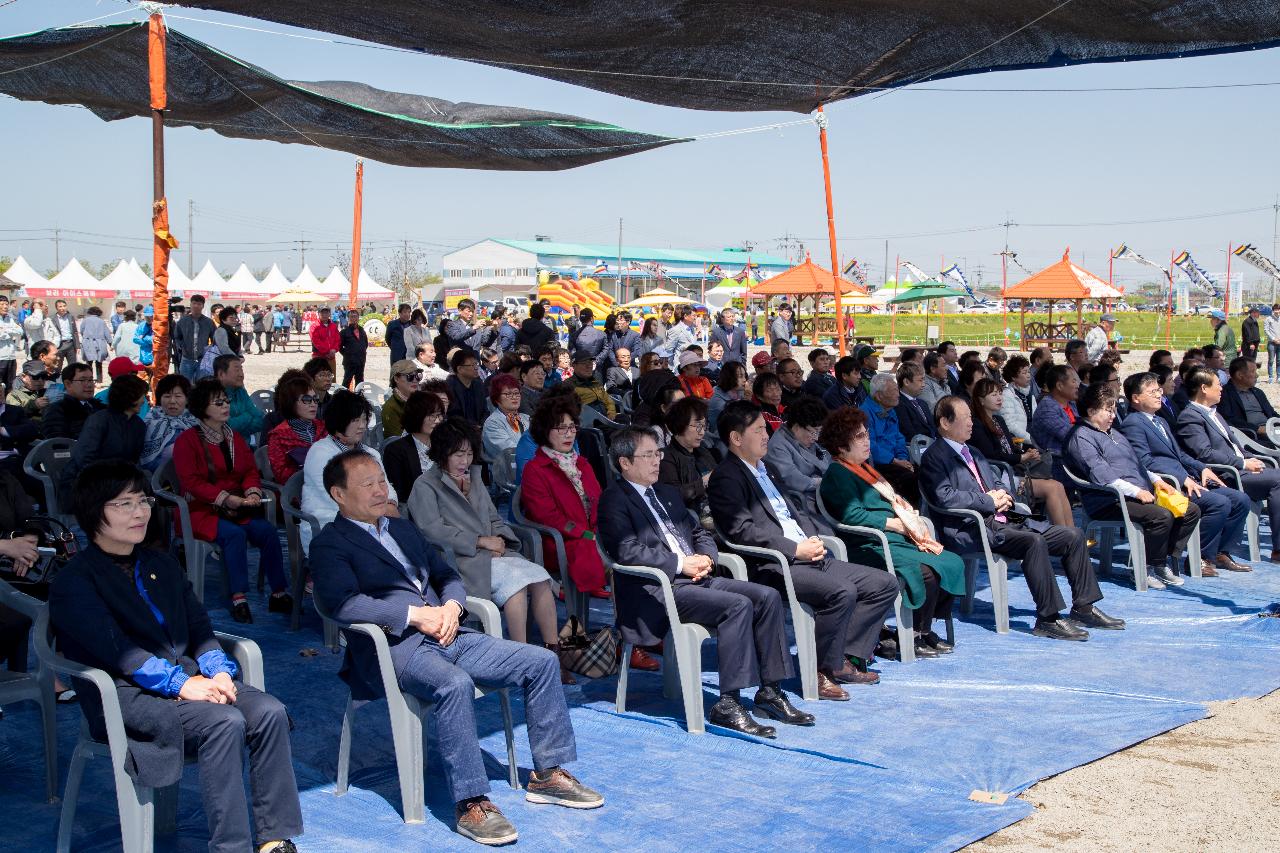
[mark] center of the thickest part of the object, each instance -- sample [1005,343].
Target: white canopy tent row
[337,287]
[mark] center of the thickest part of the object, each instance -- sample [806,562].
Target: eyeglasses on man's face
[648,454]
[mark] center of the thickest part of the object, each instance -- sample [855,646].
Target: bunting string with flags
[714,271]
[914,271]
[1124,253]
[1197,274]
[1250,253]
[954,273]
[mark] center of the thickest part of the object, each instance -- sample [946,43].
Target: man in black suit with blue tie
[955,476]
[644,523]
[914,415]
[371,568]
[1207,437]
[1223,510]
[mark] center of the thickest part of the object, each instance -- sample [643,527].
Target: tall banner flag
[954,273]
[1196,274]
[854,270]
[1124,253]
[915,272]
[1250,253]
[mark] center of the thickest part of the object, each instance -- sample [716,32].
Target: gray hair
[626,440]
[881,381]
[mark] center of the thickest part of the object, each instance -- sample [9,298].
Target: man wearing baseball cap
[28,393]
[762,362]
[1099,338]
[590,390]
[1224,336]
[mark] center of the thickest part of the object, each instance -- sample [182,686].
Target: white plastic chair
[164,484]
[682,647]
[916,448]
[374,393]
[997,567]
[140,818]
[1107,529]
[576,602]
[44,463]
[34,686]
[1229,475]
[409,714]
[294,518]
[1194,564]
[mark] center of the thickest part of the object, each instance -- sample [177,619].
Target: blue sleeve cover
[216,661]
[160,676]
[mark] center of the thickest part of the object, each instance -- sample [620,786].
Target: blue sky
[905,166]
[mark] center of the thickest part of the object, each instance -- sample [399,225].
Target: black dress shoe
[280,603]
[772,702]
[1092,617]
[938,644]
[241,613]
[924,650]
[1059,629]
[730,714]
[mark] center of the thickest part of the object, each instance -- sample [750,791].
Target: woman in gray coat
[95,341]
[795,454]
[451,506]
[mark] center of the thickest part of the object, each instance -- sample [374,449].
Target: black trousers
[217,735]
[937,602]
[352,370]
[1163,534]
[751,637]
[849,603]
[903,480]
[8,373]
[1265,486]
[1033,549]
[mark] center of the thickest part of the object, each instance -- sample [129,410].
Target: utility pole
[617,278]
[303,244]
[191,240]
[1275,242]
[406,267]
[886,263]
[57,248]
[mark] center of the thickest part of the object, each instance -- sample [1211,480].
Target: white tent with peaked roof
[275,282]
[207,282]
[337,285]
[23,274]
[243,282]
[73,282]
[178,281]
[306,282]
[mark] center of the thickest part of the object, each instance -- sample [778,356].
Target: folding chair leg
[195,569]
[71,796]
[1251,528]
[344,748]
[951,630]
[670,667]
[513,770]
[999,572]
[624,671]
[331,633]
[806,651]
[1137,557]
[689,672]
[297,589]
[49,727]
[906,632]
[970,585]
[406,737]
[137,815]
[1192,556]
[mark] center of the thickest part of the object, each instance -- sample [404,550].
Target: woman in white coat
[1019,402]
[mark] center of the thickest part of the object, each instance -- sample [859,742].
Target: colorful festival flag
[1196,274]
[1250,253]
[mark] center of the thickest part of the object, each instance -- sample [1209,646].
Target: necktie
[1071,416]
[686,548]
[924,414]
[977,475]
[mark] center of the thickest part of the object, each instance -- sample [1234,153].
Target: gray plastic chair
[576,602]
[1131,530]
[916,448]
[374,393]
[409,714]
[269,483]
[901,613]
[1192,557]
[294,518]
[34,687]
[997,567]
[384,443]
[1229,475]
[143,810]
[44,463]
[802,621]
[265,401]
[374,435]
[164,484]
[682,647]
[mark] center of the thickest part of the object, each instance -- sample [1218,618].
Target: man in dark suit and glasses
[915,417]
[749,504]
[371,568]
[644,523]
[1206,436]
[955,476]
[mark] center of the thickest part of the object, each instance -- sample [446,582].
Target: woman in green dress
[855,493]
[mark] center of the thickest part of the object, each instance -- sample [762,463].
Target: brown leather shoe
[828,689]
[849,674]
[1207,570]
[1224,561]
[642,660]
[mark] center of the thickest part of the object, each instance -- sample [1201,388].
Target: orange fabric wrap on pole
[163,241]
[355,235]
[831,238]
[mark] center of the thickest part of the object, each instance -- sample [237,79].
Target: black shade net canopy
[104,68]
[780,54]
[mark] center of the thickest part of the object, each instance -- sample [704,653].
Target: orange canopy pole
[1168,325]
[1004,283]
[831,236]
[1226,303]
[164,242]
[355,235]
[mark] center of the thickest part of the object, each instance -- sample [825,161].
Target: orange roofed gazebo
[807,279]
[1063,280]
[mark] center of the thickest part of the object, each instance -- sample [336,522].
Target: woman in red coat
[289,440]
[219,479]
[559,489]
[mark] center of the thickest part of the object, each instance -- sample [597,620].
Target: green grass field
[1138,329]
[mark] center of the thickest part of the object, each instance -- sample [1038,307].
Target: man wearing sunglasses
[405,377]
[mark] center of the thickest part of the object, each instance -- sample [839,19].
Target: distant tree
[5,263]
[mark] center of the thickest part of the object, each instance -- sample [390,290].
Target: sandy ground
[1209,785]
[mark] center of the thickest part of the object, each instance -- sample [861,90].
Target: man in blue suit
[1207,437]
[1223,510]
[370,568]
[955,476]
[732,335]
[915,416]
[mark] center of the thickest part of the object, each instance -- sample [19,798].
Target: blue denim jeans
[446,676]
[1273,360]
[187,367]
[234,541]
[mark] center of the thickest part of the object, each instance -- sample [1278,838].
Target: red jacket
[203,478]
[282,439]
[547,497]
[326,338]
